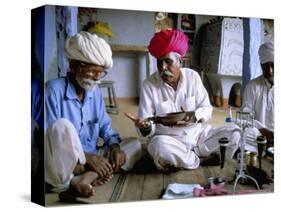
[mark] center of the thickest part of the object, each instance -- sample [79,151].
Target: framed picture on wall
[187,22]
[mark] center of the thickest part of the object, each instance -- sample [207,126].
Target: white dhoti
[184,152]
[208,140]
[168,151]
[251,134]
[64,150]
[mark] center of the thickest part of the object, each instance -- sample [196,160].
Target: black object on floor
[212,160]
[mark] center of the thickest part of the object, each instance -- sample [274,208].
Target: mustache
[87,81]
[167,73]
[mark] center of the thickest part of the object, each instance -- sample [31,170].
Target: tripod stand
[244,119]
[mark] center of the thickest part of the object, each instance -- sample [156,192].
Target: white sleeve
[249,97]
[204,108]
[146,106]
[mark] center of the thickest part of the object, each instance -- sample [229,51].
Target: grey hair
[177,56]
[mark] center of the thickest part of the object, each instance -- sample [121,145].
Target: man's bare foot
[83,183]
[102,181]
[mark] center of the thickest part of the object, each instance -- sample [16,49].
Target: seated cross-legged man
[174,88]
[76,118]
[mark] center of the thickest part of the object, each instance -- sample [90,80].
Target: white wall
[50,50]
[130,28]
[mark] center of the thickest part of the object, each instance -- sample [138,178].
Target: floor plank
[153,186]
[132,189]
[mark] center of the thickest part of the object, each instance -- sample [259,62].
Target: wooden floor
[146,183]
[141,185]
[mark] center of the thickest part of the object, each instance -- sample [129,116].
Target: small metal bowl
[172,118]
[219,181]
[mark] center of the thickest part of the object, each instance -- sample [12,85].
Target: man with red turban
[167,41]
[172,89]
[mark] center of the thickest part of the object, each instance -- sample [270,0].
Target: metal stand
[244,119]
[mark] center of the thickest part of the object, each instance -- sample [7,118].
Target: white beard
[167,73]
[86,84]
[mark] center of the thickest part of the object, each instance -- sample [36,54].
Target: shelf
[128,48]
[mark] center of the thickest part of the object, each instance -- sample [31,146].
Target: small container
[219,181]
[252,159]
[210,181]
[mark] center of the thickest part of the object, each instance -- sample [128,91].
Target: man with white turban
[172,89]
[259,94]
[75,119]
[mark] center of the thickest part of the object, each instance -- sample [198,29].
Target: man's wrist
[114,147]
[146,130]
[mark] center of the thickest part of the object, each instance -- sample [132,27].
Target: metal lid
[223,140]
[261,139]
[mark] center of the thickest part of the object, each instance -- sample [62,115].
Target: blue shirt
[37,102]
[88,117]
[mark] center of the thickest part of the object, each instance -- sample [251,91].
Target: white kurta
[64,150]
[158,97]
[259,98]
[173,146]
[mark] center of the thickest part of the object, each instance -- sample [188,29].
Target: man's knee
[154,144]
[235,138]
[132,144]
[60,123]
[133,150]
[61,126]
[159,146]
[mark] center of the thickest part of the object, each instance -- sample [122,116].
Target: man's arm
[268,134]
[204,108]
[146,109]
[249,97]
[51,106]
[106,131]
[144,126]
[111,138]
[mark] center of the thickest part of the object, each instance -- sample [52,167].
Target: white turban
[266,52]
[89,48]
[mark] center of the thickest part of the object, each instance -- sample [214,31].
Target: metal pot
[170,119]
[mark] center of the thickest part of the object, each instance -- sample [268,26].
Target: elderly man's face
[268,71]
[169,67]
[87,74]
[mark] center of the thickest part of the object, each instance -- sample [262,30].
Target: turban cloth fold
[89,48]
[168,40]
[266,52]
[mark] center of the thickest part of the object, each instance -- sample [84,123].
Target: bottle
[261,142]
[229,115]
[223,145]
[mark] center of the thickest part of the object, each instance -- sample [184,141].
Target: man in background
[259,94]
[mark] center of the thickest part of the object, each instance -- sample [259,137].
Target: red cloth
[213,190]
[168,40]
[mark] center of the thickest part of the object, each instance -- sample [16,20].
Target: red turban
[168,40]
